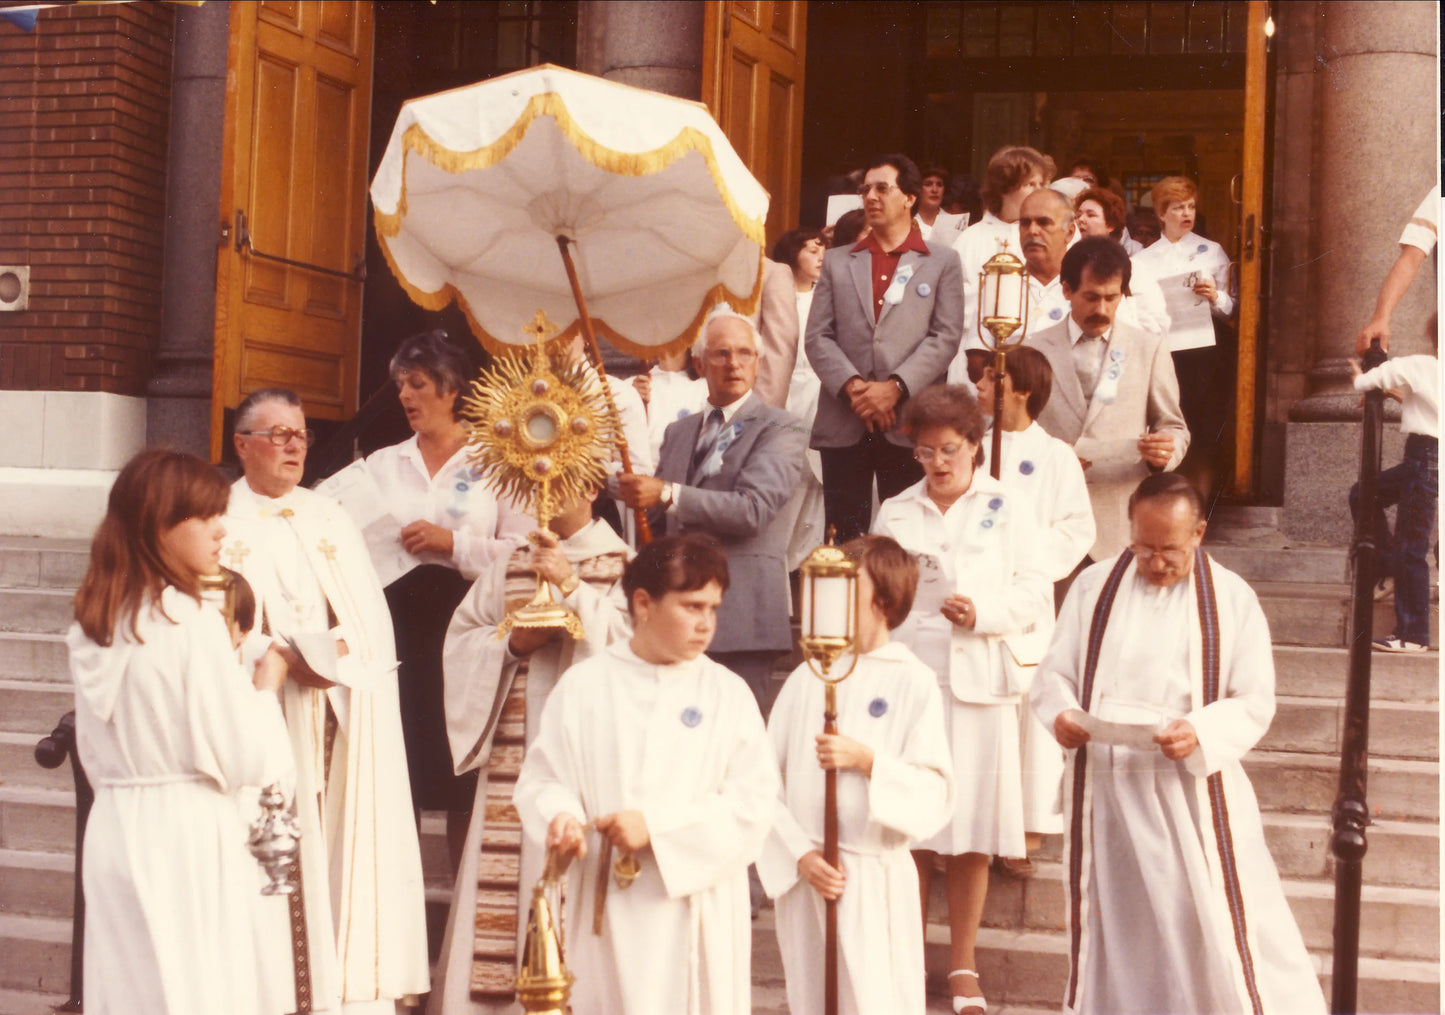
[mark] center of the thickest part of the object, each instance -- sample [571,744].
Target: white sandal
[959,1001]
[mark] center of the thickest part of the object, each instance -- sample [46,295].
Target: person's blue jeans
[1414,485]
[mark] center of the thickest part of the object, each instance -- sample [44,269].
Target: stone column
[1373,160]
[179,403]
[649,45]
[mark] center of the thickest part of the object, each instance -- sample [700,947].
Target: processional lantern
[829,580]
[1003,311]
[542,431]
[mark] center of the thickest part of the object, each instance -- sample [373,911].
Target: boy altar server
[895,785]
[662,753]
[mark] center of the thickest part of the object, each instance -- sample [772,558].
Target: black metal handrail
[244,246]
[1351,814]
[51,752]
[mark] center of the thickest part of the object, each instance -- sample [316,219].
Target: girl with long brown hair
[169,726]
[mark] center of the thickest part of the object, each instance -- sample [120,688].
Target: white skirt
[1043,776]
[988,797]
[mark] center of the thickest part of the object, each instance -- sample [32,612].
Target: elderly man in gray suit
[886,321]
[1116,399]
[727,472]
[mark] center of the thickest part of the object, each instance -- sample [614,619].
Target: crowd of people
[1042,647]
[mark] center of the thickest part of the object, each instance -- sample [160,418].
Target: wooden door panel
[753,60]
[297,121]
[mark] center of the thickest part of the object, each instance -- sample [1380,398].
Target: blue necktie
[711,429]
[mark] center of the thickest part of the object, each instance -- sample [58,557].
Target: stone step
[18,766]
[36,657]
[1323,672]
[1395,922]
[33,706]
[1026,967]
[42,820]
[37,884]
[1403,853]
[32,562]
[28,1002]
[1283,563]
[34,953]
[1318,613]
[1398,729]
[1289,781]
[37,611]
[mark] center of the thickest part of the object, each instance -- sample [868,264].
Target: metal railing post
[1351,814]
[51,752]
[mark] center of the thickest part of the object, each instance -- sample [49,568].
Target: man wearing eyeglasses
[318,597]
[1159,680]
[886,321]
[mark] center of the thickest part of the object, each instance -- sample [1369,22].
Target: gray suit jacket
[914,339]
[739,506]
[1107,435]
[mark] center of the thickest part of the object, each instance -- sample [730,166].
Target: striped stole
[499,869]
[1219,812]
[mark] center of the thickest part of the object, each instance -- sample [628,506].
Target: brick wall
[84,109]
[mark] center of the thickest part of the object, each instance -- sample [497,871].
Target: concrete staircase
[37,805]
[1023,948]
[1295,770]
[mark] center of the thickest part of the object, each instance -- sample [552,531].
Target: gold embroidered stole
[499,868]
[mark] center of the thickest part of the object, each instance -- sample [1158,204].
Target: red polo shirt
[885,262]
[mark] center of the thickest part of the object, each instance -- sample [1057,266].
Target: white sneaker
[1394,644]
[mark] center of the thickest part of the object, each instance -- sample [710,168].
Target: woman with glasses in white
[979,583]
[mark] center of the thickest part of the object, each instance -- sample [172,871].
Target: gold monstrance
[542,431]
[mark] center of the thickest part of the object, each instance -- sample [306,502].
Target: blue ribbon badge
[1026,467]
[924,288]
[691,717]
[1056,313]
[894,293]
[995,505]
[877,707]
[1108,387]
[712,465]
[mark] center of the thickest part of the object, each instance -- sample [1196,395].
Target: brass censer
[544,986]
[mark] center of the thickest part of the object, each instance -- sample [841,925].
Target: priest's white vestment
[891,703]
[1174,901]
[479,671]
[685,745]
[169,728]
[1046,474]
[361,877]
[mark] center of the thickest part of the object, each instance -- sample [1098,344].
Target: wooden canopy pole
[644,531]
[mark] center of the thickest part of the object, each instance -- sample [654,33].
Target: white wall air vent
[14,287]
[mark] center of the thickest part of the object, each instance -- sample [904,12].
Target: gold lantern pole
[543,432]
[1003,311]
[829,628]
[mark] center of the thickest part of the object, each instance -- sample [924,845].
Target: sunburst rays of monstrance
[542,431]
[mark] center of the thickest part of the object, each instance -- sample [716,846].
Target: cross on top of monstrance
[542,431]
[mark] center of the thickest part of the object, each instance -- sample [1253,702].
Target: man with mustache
[1115,398]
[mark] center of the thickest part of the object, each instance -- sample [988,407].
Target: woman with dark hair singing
[169,726]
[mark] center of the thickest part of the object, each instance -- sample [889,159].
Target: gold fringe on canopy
[689,139]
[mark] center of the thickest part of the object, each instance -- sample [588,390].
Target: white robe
[674,396]
[169,728]
[1191,252]
[891,703]
[1157,882]
[456,498]
[685,745]
[984,548]
[1046,473]
[479,669]
[360,858]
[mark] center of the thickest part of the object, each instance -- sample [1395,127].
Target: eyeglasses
[725,355]
[924,455]
[879,187]
[1174,558]
[281,435]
